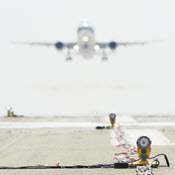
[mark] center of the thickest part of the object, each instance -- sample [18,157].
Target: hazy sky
[136,79]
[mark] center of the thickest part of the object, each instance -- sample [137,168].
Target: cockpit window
[85,28]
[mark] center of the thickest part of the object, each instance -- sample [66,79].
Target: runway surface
[74,140]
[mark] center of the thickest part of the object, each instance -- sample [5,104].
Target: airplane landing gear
[104,58]
[104,55]
[68,58]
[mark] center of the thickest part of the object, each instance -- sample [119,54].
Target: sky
[135,80]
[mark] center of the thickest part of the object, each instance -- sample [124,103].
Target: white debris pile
[121,137]
[144,170]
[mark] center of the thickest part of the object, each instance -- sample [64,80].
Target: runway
[9,125]
[33,141]
[90,122]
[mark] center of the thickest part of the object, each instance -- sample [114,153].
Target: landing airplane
[86,45]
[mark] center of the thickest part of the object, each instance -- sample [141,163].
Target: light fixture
[76,47]
[96,47]
[112,118]
[85,38]
[144,150]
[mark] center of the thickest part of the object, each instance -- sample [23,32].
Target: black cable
[61,167]
[79,166]
[166,158]
[103,127]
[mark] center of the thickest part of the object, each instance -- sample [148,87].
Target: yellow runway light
[112,118]
[144,150]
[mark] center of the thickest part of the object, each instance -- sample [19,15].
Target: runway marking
[156,137]
[8,125]
[11,143]
[148,124]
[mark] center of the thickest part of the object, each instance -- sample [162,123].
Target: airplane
[86,45]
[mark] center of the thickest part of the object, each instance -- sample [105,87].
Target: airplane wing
[113,44]
[59,45]
[33,43]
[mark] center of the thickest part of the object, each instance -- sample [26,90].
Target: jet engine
[59,45]
[112,45]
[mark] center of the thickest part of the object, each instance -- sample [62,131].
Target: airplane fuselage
[86,41]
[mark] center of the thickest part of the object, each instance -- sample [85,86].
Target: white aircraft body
[86,45]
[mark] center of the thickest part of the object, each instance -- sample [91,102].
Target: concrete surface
[69,146]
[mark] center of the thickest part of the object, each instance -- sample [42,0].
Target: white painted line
[11,143]
[132,135]
[5,125]
[113,139]
[156,136]
[8,125]
[147,124]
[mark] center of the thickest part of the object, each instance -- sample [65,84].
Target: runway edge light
[112,118]
[144,150]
